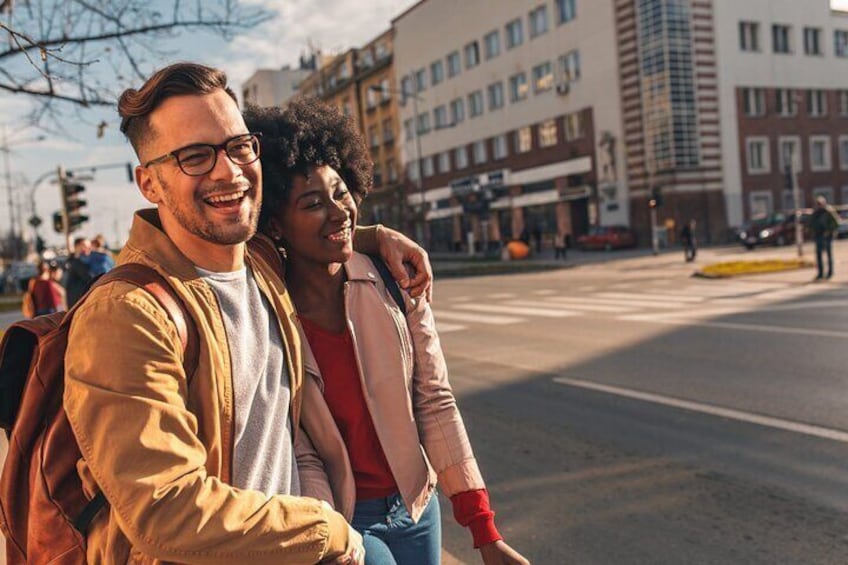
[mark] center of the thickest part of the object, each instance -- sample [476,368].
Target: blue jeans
[824,245]
[392,538]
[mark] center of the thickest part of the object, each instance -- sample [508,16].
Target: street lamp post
[5,147]
[419,183]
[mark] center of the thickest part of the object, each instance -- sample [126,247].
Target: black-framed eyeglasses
[198,159]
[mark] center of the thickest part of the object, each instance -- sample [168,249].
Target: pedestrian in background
[100,259]
[47,294]
[78,271]
[690,243]
[380,423]
[560,245]
[824,223]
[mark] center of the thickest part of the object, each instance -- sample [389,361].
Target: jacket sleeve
[313,476]
[125,397]
[440,424]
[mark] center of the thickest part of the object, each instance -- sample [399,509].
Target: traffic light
[58,222]
[73,203]
[656,196]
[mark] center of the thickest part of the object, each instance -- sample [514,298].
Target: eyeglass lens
[200,159]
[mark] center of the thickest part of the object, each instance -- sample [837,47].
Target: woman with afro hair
[379,423]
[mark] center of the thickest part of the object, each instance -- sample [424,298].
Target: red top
[45,295]
[344,396]
[336,360]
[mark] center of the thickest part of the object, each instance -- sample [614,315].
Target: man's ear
[147,184]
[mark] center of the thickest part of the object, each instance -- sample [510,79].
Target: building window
[472,55]
[812,41]
[780,38]
[388,131]
[753,101]
[499,147]
[479,152]
[406,85]
[843,103]
[380,50]
[412,170]
[840,42]
[475,103]
[538,19]
[518,87]
[574,126]
[543,77]
[514,34]
[492,42]
[437,72]
[547,133]
[789,152]
[371,99]
[391,170]
[420,80]
[440,116]
[757,149]
[820,153]
[761,204]
[427,166]
[409,129]
[444,162]
[845,194]
[843,152]
[749,36]
[423,123]
[457,110]
[378,175]
[346,107]
[460,157]
[373,137]
[566,10]
[785,102]
[569,66]
[385,90]
[523,140]
[496,96]
[816,103]
[454,65]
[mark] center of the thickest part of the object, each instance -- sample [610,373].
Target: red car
[607,238]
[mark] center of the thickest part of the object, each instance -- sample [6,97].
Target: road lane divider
[710,409]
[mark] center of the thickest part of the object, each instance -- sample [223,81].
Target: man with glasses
[198,468]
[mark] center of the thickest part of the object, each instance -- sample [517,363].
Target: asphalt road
[627,413]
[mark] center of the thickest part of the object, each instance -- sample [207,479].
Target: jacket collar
[360,268]
[148,239]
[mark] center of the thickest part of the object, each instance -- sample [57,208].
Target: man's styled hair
[179,79]
[306,134]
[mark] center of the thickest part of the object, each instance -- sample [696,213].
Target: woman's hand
[499,553]
[397,250]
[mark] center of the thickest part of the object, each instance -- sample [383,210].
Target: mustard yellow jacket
[159,445]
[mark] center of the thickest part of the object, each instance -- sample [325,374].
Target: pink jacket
[405,383]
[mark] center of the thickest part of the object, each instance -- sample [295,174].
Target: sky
[331,25]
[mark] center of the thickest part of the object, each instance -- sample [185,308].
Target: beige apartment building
[274,87]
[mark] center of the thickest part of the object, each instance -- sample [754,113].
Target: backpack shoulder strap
[154,283]
[389,281]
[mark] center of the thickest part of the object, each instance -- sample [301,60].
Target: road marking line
[711,409]
[648,296]
[501,295]
[610,302]
[468,317]
[544,292]
[581,307]
[521,311]
[443,327]
[461,298]
[743,327]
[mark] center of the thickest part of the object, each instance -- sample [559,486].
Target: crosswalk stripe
[469,317]
[569,300]
[500,295]
[648,296]
[519,310]
[444,327]
[582,307]
[544,292]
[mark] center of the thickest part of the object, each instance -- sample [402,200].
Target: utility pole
[792,181]
[5,148]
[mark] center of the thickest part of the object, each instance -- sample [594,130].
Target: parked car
[17,275]
[607,238]
[774,229]
[842,230]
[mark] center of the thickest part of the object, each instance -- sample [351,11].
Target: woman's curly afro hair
[306,134]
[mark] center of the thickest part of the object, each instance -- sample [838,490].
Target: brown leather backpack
[44,512]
